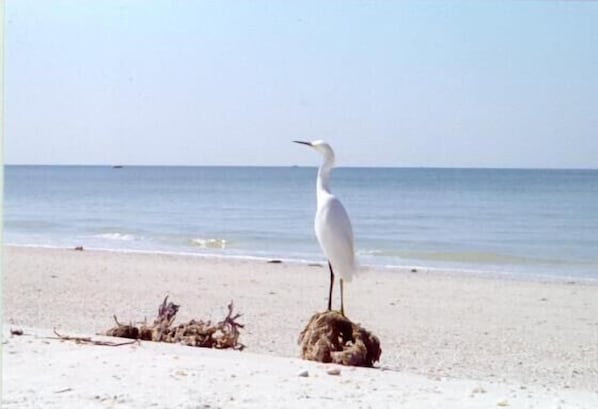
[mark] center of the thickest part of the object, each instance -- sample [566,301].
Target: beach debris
[222,335]
[78,248]
[275,261]
[304,373]
[180,372]
[88,340]
[414,270]
[333,371]
[503,403]
[330,337]
[16,332]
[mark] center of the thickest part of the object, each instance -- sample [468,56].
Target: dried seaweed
[331,337]
[88,340]
[222,335]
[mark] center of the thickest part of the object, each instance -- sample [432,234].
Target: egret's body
[332,224]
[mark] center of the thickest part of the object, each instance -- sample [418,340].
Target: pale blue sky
[464,83]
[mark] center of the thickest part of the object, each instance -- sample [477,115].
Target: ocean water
[521,222]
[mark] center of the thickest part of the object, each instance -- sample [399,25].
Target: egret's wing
[335,234]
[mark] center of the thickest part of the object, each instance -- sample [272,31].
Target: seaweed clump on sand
[330,337]
[221,335]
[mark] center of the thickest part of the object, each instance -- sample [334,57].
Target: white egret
[332,224]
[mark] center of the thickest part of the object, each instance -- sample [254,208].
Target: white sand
[45,373]
[445,338]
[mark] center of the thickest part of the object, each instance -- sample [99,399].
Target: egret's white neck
[323,184]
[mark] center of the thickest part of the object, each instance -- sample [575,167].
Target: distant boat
[117,166]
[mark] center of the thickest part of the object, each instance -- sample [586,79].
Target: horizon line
[306,166]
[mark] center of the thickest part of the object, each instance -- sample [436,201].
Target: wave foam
[116,236]
[210,243]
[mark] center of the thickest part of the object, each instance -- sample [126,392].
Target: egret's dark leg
[342,304]
[331,285]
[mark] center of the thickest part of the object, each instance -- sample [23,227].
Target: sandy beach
[448,340]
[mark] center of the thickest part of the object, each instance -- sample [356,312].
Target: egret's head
[322,147]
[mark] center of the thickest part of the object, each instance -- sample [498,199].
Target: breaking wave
[115,236]
[210,243]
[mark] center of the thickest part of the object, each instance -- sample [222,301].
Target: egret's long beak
[303,143]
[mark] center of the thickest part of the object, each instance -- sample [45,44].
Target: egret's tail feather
[347,271]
